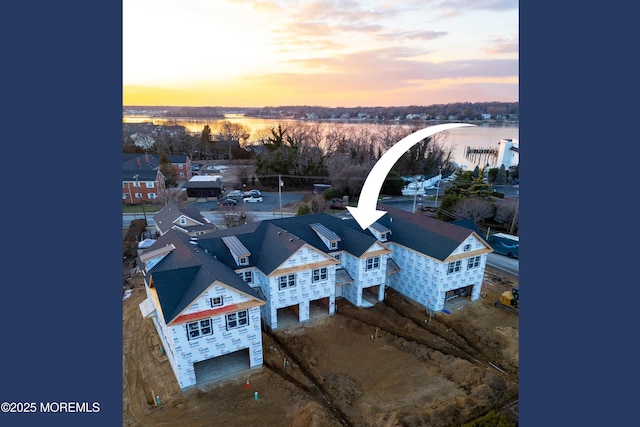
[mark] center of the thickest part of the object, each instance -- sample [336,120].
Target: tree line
[303,154]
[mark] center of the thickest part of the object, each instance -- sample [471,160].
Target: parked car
[252,193]
[252,199]
[236,194]
[227,201]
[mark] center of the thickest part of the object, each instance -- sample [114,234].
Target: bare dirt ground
[388,365]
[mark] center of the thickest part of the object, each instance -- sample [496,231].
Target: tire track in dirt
[448,341]
[317,389]
[452,335]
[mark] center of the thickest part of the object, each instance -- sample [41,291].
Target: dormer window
[183,221]
[238,250]
[380,231]
[328,237]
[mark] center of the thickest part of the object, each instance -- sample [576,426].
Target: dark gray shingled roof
[432,237]
[186,272]
[140,162]
[271,242]
[165,218]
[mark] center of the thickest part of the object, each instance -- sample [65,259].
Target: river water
[486,135]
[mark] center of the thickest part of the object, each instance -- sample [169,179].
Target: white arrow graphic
[366,213]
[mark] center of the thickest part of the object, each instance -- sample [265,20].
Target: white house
[264,271]
[201,310]
[508,153]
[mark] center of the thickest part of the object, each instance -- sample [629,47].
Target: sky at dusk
[325,53]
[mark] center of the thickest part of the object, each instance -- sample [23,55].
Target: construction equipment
[509,300]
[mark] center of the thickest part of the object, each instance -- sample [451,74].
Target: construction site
[390,364]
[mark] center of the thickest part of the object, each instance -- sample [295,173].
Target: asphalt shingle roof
[195,264]
[186,272]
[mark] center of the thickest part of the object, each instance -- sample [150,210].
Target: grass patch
[130,209]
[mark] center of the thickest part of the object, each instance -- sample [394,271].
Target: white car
[252,193]
[253,199]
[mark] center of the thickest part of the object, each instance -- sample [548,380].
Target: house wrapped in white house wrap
[208,295]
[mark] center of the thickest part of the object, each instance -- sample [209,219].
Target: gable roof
[137,161]
[129,175]
[166,217]
[427,235]
[186,272]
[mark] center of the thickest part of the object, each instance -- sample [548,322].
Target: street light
[438,185]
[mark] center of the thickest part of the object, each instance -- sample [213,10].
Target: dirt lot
[388,365]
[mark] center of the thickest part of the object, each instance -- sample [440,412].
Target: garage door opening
[319,308]
[222,367]
[458,298]
[370,296]
[288,316]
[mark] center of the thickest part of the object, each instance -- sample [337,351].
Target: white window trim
[319,274]
[288,280]
[237,320]
[198,329]
[372,263]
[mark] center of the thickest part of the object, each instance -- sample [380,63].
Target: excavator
[509,300]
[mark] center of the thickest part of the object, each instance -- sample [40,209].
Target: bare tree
[475,208]
[234,135]
[505,212]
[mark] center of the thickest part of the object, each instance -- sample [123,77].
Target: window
[333,245]
[124,196]
[467,248]
[473,262]
[198,329]
[384,236]
[152,195]
[138,195]
[243,260]
[320,274]
[454,267]
[136,184]
[181,174]
[150,184]
[373,263]
[215,302]
[247,276]
[237,320]
[287,281]
[336,256]
[183,221]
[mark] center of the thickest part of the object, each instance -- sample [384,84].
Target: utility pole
[280,193]
[438,186]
